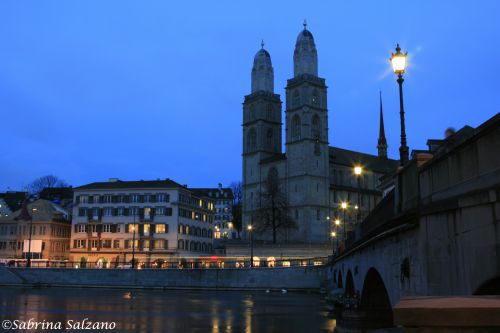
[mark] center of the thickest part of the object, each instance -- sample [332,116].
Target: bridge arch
[350,291]
[339,280]
[490,287]
[375,297]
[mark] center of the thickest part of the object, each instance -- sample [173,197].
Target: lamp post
[250,231]
[398,61]
[344,206]
[333,234]
[357,172]
[133,243]
[337,224]
[33,210]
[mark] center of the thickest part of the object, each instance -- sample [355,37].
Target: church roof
[120,184]
[45,211]
[370,162]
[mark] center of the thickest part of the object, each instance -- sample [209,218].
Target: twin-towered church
[314,177]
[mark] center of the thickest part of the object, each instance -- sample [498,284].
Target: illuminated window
[146,229]
[161,229]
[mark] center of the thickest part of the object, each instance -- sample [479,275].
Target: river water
[163,311]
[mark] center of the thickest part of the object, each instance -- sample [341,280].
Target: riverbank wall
[309,278]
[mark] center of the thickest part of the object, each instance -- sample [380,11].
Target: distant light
[358,170]
[328,217]
[333,234]
[337,222]
[356,207]
[249,227]
[343,205]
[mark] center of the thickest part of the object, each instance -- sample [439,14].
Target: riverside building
[152,221]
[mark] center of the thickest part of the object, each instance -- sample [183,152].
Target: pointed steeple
[382,142]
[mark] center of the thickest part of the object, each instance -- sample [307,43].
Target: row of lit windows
[189,214]
[35,230]
[125,198]
[142,212]
[139,244]
[195,231]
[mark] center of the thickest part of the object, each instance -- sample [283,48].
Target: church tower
[307,150]
[382,142]
[261,129]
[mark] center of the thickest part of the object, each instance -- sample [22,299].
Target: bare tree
[237,189]
[272,211]
[48,181]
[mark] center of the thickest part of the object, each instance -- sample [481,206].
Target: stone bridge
[436,232]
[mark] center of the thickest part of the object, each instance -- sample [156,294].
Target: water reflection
[171,311]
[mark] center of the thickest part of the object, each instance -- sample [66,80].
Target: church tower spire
[382,142]
[262,71]
[305,56]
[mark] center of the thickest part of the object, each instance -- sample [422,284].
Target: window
[107,198]
[108,211]
[116,244]
[120,211]
[296,127]
[160,210]
[106,228]
[295,98]
[252,113]
[163,197]
[80,228]
[180,244]
[79,243]
[318,214]
[146,229]
[147,213]
[106,244]
[83,199]
[251,139]
[315,97]
[270,112]
[94,243]
[269,137]
[161,244]
[82,211]
[132,227]
[162,228]
[316,127]
[134,198]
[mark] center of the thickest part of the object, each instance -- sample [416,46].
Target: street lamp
[333,234]
[133,243]
[33,210]
[344,206]
[250,231]
[398,61]
[357,172]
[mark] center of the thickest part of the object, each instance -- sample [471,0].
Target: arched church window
[315,97]
[269,137]
[296,125]
[251,139]
[252,112]
[316,127]
[295,98]
[270,112]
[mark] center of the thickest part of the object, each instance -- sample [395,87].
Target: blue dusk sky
[153,89]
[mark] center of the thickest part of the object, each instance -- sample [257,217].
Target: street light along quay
[333,234]
[33,210]
[344,206]
[250,231]
[398,61]
[358,170]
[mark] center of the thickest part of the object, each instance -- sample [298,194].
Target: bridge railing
[201,263]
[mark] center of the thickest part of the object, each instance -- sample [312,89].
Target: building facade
[223,215]
[50,232]
[150,220]
[310,179]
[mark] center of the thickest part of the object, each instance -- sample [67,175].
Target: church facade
[310,179]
